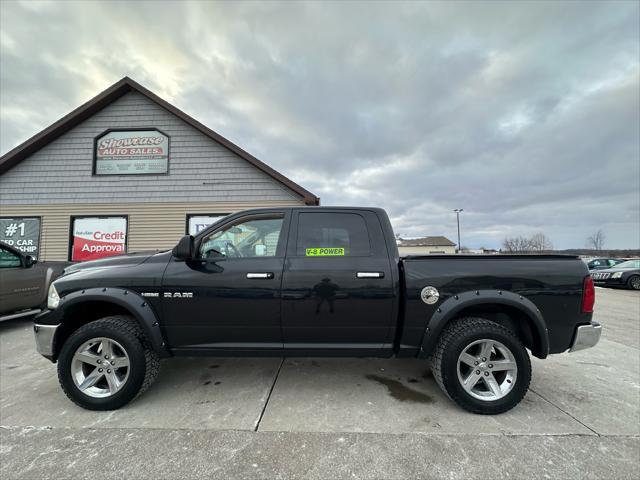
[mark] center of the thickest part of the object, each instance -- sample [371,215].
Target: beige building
[426,246]
[127,171]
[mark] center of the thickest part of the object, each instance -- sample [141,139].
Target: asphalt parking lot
[330,418]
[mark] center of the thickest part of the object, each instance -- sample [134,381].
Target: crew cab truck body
[314,281]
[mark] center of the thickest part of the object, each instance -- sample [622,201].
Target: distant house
[426,246]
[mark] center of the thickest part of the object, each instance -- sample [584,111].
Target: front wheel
[481,365]
[105,364]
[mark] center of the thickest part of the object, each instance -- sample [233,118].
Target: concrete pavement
[338,418]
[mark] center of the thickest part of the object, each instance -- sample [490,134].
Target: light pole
[458,210]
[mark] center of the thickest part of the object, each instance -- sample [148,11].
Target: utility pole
[458,210]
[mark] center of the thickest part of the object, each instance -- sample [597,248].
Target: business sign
[21,233]
[132,152]
[98,237]
[198,223]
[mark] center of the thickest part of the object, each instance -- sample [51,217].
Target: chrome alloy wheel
[100,367]
[487,370]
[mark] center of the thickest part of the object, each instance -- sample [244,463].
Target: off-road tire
[456,337]
[144,362]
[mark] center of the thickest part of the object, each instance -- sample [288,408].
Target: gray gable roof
[110,95]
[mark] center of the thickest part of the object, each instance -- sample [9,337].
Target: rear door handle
[263,275]
[370,275]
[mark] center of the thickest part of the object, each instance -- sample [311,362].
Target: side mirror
[184,249]
[29,261]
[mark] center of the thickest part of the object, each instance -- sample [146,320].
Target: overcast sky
[524,114]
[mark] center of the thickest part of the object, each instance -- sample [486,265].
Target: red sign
[98,237]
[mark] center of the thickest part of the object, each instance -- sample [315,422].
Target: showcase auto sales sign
[98,237]
[131,152]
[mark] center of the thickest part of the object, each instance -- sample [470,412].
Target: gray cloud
[524,114]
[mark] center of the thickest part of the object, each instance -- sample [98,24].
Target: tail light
[588,295]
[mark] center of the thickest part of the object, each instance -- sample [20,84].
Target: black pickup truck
[314,281]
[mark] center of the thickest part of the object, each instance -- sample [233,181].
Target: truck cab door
[227,298]
[21,286]
[338,293]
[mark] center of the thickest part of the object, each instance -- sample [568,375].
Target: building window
[197,222]
[97,237]
[21,233]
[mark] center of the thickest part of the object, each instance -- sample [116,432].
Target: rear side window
[332,234]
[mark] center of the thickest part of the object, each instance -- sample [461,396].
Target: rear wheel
[481,365]
[106,364]
[634,282]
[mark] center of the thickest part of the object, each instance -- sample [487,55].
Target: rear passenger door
[337,290]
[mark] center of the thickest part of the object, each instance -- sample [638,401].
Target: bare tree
[596,240]
[540,242]
[516,244]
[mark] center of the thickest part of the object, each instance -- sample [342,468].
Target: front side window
[9,259]
[256,237]
[332,234]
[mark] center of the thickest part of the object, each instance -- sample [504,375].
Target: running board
[26,313]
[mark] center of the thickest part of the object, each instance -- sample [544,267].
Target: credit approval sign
[98,237]
[132,152]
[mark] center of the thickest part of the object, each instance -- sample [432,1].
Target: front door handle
[370,275]
[263,275]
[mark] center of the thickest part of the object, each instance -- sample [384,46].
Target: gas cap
[429,295]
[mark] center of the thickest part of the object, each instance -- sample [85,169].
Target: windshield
[629,264]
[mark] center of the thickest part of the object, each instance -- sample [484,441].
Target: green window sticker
[324,252]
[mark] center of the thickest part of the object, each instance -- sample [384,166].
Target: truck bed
[553,283]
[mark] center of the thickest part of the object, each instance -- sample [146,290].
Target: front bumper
[45,336]
[586,336]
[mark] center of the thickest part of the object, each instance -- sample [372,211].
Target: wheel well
[82,313]
[510,317]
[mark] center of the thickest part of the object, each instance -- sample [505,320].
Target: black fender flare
[452,306]
[131,301]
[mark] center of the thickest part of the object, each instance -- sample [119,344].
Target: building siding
[200,169]
[151,225]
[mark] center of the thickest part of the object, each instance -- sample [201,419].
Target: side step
[25,313]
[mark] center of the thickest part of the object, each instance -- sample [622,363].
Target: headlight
[53,299]
[617,275]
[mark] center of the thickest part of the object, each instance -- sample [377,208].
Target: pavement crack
[565,412]
[264,407]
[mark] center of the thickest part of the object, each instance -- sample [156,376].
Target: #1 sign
[132,152]
[21,233]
